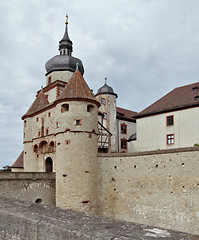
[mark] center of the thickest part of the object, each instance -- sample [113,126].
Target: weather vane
[66,19]
[42,88]
[105,79]
[77,66]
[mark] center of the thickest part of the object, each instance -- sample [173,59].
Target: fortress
[82,152]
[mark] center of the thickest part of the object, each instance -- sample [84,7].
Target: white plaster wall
[152,130]
[131,129]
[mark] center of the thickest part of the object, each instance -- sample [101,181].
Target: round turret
[105,89]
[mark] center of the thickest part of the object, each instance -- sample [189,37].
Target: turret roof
[40,102]
[77,88]
[19,162]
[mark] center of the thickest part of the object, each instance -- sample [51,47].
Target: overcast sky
[144,47]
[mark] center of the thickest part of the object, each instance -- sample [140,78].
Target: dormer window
[195,89]
[196,98]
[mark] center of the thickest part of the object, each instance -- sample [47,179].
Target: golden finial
[66,19]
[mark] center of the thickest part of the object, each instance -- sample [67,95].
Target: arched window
[35,148]
[52,146]
[65,107]
[43,146]
[49,164]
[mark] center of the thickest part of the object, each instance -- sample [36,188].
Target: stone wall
[32,187]
[26,221]
[157,188]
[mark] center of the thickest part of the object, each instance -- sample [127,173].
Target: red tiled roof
[125,114]
[40,102]
[19,162]
[179,98]
[77,88]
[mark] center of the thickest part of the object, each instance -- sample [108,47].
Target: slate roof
[19,162]
[125,114]
[39,103]
[179,98]
[77,88]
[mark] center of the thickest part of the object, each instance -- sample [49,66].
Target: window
[103,101]
[47,131]
[104,115]
[123,128]
[78,122]
[170,139]
[25,123]
[49,80]
[37,119]
[49,114]
[39,133]
[170,120]
[64,107]
[196,98]
[123,143]
[57,124]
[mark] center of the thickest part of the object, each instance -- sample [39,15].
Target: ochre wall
[156,189]
[28,186]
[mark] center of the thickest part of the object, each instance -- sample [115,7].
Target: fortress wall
[26,221]
[28,186]
[157,188]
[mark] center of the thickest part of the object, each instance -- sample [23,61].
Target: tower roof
[65,61]
[77,88]
[39,103]
[105,89]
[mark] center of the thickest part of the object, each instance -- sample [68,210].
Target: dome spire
[66,45]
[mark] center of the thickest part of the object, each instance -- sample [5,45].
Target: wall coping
[26,176]
[155,152]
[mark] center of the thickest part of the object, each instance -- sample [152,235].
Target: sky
[145,48]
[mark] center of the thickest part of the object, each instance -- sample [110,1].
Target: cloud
[144,47]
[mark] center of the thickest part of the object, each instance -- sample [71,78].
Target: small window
[123,128]
[47,131]
[57,124]
[64,107]
[25,123]
[49,80]
[104,115]
[35,149]
[103,101]
[170,139]
[170,121]
[196,98]
[123,144]
[39,133]
[78,122]
[24,135]
[90,108]
[49,114]
[37,119]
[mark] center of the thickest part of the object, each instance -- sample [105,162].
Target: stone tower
[107,97]
[76,147]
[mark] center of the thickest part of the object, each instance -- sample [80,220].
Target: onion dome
[105,89]
[65,61]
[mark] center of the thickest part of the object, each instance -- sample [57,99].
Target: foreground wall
[25,221]
[32,187]
[157,188]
